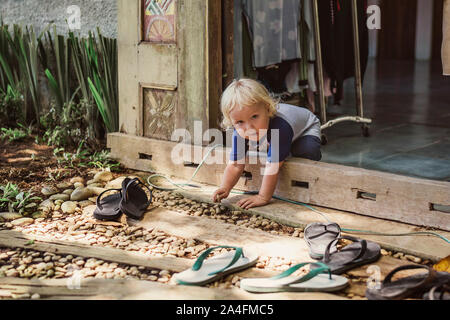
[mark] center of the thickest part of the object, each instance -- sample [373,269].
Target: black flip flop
[109,207]
[134,199]
[356,254]
[318,236]
[409,287]
[440,292]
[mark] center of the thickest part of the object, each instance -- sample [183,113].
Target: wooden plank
[14,239]
[103,289]
[192,65]
[426,247]
[216,232]
[398,198]
[157,63]
[214,62]
[128,39]
[228,41]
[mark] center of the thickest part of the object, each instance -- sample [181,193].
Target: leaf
[30,242]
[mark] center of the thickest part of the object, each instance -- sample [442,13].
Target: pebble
[103,176]
[69,207]
[81,193]
[60,196]
[78,185]
[8,216]
[64,185]
[413,258]
[77,180]
[35,296]
[85,203]
[68,191]
[115,184]
[22,222]
[12,273]
[48,191]
[95,190]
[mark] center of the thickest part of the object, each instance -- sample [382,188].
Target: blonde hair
[244,93]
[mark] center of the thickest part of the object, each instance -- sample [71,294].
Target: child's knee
[308,148]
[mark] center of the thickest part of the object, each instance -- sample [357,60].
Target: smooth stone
[77,180]
[78,185]
[60,196]
[95,190]
[22,221]
[48,191]
[8,216]
[103,176]
[81,193]
[115,184]
[47,204]
[95,185]
[38,215]
[85,203]
[64,185]
[68,191]
[69,207]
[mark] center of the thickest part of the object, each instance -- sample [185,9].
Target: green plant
[60,86]
[82,158]
[11,106]
[19,62]
[15,134]
[13,199]
[104,82]
[103,160]
[68,159]
[9,71]
[67,128]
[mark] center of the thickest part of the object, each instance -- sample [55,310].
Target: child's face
[251,122]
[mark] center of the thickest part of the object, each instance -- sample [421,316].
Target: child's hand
[221,193]
[252,202]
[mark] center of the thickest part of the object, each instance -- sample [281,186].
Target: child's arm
[267,189]
[231,176]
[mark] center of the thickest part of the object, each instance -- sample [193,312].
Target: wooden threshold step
[372,193]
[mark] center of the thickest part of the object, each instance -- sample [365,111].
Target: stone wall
[39,13]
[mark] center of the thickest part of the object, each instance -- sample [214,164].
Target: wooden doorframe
[190,66]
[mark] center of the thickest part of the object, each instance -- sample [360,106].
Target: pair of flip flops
[205,271]
[431,285]
[131,200]
[322,239]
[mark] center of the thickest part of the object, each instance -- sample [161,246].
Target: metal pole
[323,110]
[358,79]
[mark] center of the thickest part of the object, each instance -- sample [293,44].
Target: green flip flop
[206,271]
[318,279]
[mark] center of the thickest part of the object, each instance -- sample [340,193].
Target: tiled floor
[409,103]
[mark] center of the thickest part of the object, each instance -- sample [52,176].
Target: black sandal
[318,236]
[439,292]
[108,208]
[134,201]
[409,287]
[359,253]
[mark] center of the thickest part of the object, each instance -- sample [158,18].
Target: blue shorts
[307,147]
